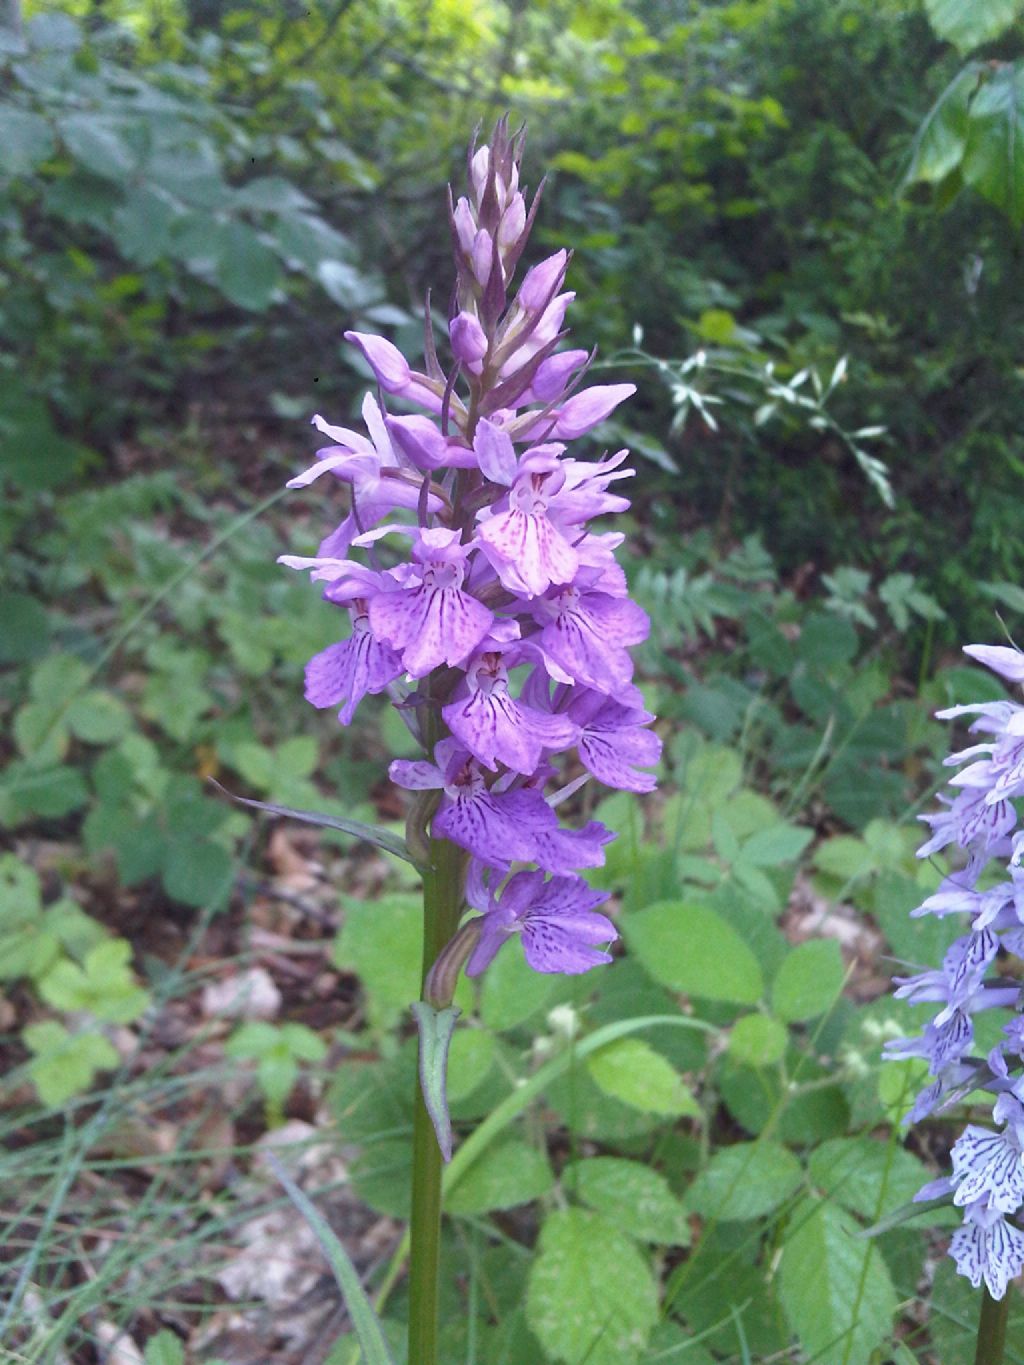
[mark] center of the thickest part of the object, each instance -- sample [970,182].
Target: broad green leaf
[744,1181]
[968,24]
[277,1072]
[28,951]
[52,792]
[632,1072]
[27,140]
[713,774]
[297,757]
[808,981]
[271,194]
[777,845]
[835,1290]
[98,143]
[993,161]
[253,1039]
[303,1042]
[511,991]
[247,270]
[591,1294]
[20,893]
[65,1063]
[918,938]
[689,947]
[724,1291]
[57,678]
[165,1349]
[104,984]
[757,1040]
[26,625]
[99,717]
[634,1197]
[844,857]
[307,240]
[40,733]
[471,1058]
[507,1174]
[196,872]
[142,224]
[382,942]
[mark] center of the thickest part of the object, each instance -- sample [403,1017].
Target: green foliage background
[796,226]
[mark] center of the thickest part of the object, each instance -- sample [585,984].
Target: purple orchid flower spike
[480,598]
[987,1180]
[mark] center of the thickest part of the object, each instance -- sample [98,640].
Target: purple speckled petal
[528,551]
[988,1248]
[345,672]
[430,626]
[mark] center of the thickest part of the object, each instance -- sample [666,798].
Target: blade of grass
[364,1319]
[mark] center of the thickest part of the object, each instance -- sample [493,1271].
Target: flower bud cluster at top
[987,1180]
[504,634]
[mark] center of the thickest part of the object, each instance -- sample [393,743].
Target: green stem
[992,1329]
[442,906]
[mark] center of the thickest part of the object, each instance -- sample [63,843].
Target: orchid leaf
[436,1028]
[370,834]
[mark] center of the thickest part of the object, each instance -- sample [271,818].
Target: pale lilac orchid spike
[987,1179]
[481,596]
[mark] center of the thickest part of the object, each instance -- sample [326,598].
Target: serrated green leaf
[382,942]
[507,1174]
[866,1176]
[103,985]
[591,1295]
[632,1072]
[809,980]
[64,1063]
[634,1197]
[835,1290]
[744,1181]
[689,947]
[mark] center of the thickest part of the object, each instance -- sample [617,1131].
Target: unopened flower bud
[469,341]
[541,282]
[443,977]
